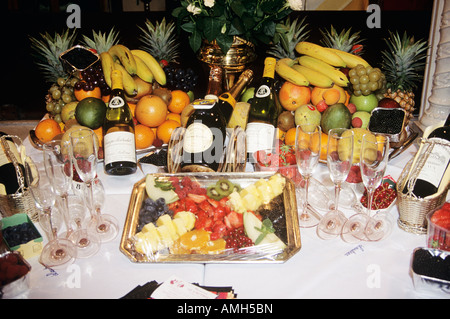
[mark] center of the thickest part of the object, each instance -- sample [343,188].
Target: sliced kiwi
[213,193]
[224,187]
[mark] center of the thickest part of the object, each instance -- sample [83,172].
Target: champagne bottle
[227,100]
[9,176]
[432,176]
[264,111]
[118,129]
[214,83]
[204,138]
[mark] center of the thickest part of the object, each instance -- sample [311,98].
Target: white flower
[296,5]
[193,9]
[209,3]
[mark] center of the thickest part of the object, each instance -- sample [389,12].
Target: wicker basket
[22,201]
[413,210]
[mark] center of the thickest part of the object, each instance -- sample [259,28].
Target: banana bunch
[317,66]
[131,63]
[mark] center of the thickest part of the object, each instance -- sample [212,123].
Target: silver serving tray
[255,254]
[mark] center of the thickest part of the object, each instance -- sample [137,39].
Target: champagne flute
[104,225]
[58,166]
[58,251]
[339,161]
[307,153]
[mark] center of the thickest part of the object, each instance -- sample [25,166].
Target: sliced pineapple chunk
[236,203]
[264,190]
[148,242]
[166,237]
[180,226]
[188,218]
[277,183]
[166,220]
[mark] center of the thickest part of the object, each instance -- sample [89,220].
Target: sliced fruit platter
[212,218]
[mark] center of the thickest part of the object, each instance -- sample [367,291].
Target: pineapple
[403,65]
[287,35]
[160,41]
[102,42]
[48,50]
[343,41]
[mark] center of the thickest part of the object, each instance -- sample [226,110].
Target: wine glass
[104,225]
[339,161]
[307,153]
[87,242]
[58,166]
[373,163]
[58,251]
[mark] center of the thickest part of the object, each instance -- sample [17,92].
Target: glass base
[105,226]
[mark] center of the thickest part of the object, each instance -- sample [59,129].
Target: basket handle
[12,158]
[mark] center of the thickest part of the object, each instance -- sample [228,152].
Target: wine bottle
[9,176]
[118,129]
[214,83]
[227,100]
[204,138]
[432,174]
[263,114]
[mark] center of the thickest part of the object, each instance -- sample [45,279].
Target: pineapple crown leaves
[344,41]
[160,40]
[287,35]
[102,42]
[404,61]
[47,52]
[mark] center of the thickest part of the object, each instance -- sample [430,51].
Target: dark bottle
[9,172]
[432,174]
[118,129]
[227,100]
[204,138]
[264,111]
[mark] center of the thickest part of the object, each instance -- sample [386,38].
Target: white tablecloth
[321,269]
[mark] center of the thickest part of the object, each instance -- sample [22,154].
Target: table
[321,269]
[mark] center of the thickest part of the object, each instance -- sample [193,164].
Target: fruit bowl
[438,230]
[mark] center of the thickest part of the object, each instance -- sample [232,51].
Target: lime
[91,112]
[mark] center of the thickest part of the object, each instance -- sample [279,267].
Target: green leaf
[188,27]
[211,28]
[195,41]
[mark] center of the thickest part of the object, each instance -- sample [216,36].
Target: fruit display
[439,228]
[198,221]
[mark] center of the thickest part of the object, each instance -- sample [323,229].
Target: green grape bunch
[366,80]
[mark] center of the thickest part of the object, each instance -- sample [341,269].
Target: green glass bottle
[264,111]
[118,129]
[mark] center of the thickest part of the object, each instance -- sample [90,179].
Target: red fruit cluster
[185,186]
[383,196]
[439,237]
[11,268]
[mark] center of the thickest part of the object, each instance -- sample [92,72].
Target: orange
[292,96]
[289,138]
[194,239]
[151,110]
[144,136]
[179,100]
[47,129]
[164,131]
[99,133]
[132,108]
[82,94]
[323,146]
[317,94]
[331,96]
[174,116]
[213,247]
[105,98]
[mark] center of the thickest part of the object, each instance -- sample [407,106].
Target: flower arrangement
[221,20]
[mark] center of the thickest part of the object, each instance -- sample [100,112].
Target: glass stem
[90,185]
[369,201]
[337,192]
[65,201]
[52,232]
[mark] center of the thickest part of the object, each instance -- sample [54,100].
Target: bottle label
[116,102]
[263,91]
[197,138]
[434,168]
[205,104]
[260,136]
[119,147]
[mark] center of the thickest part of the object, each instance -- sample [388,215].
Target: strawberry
[441,217]
[286,155]
[263,158]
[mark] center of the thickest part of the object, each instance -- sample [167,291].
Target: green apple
[364,102]
[248,94]
[364,116]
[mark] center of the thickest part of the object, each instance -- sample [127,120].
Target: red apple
[388,103]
